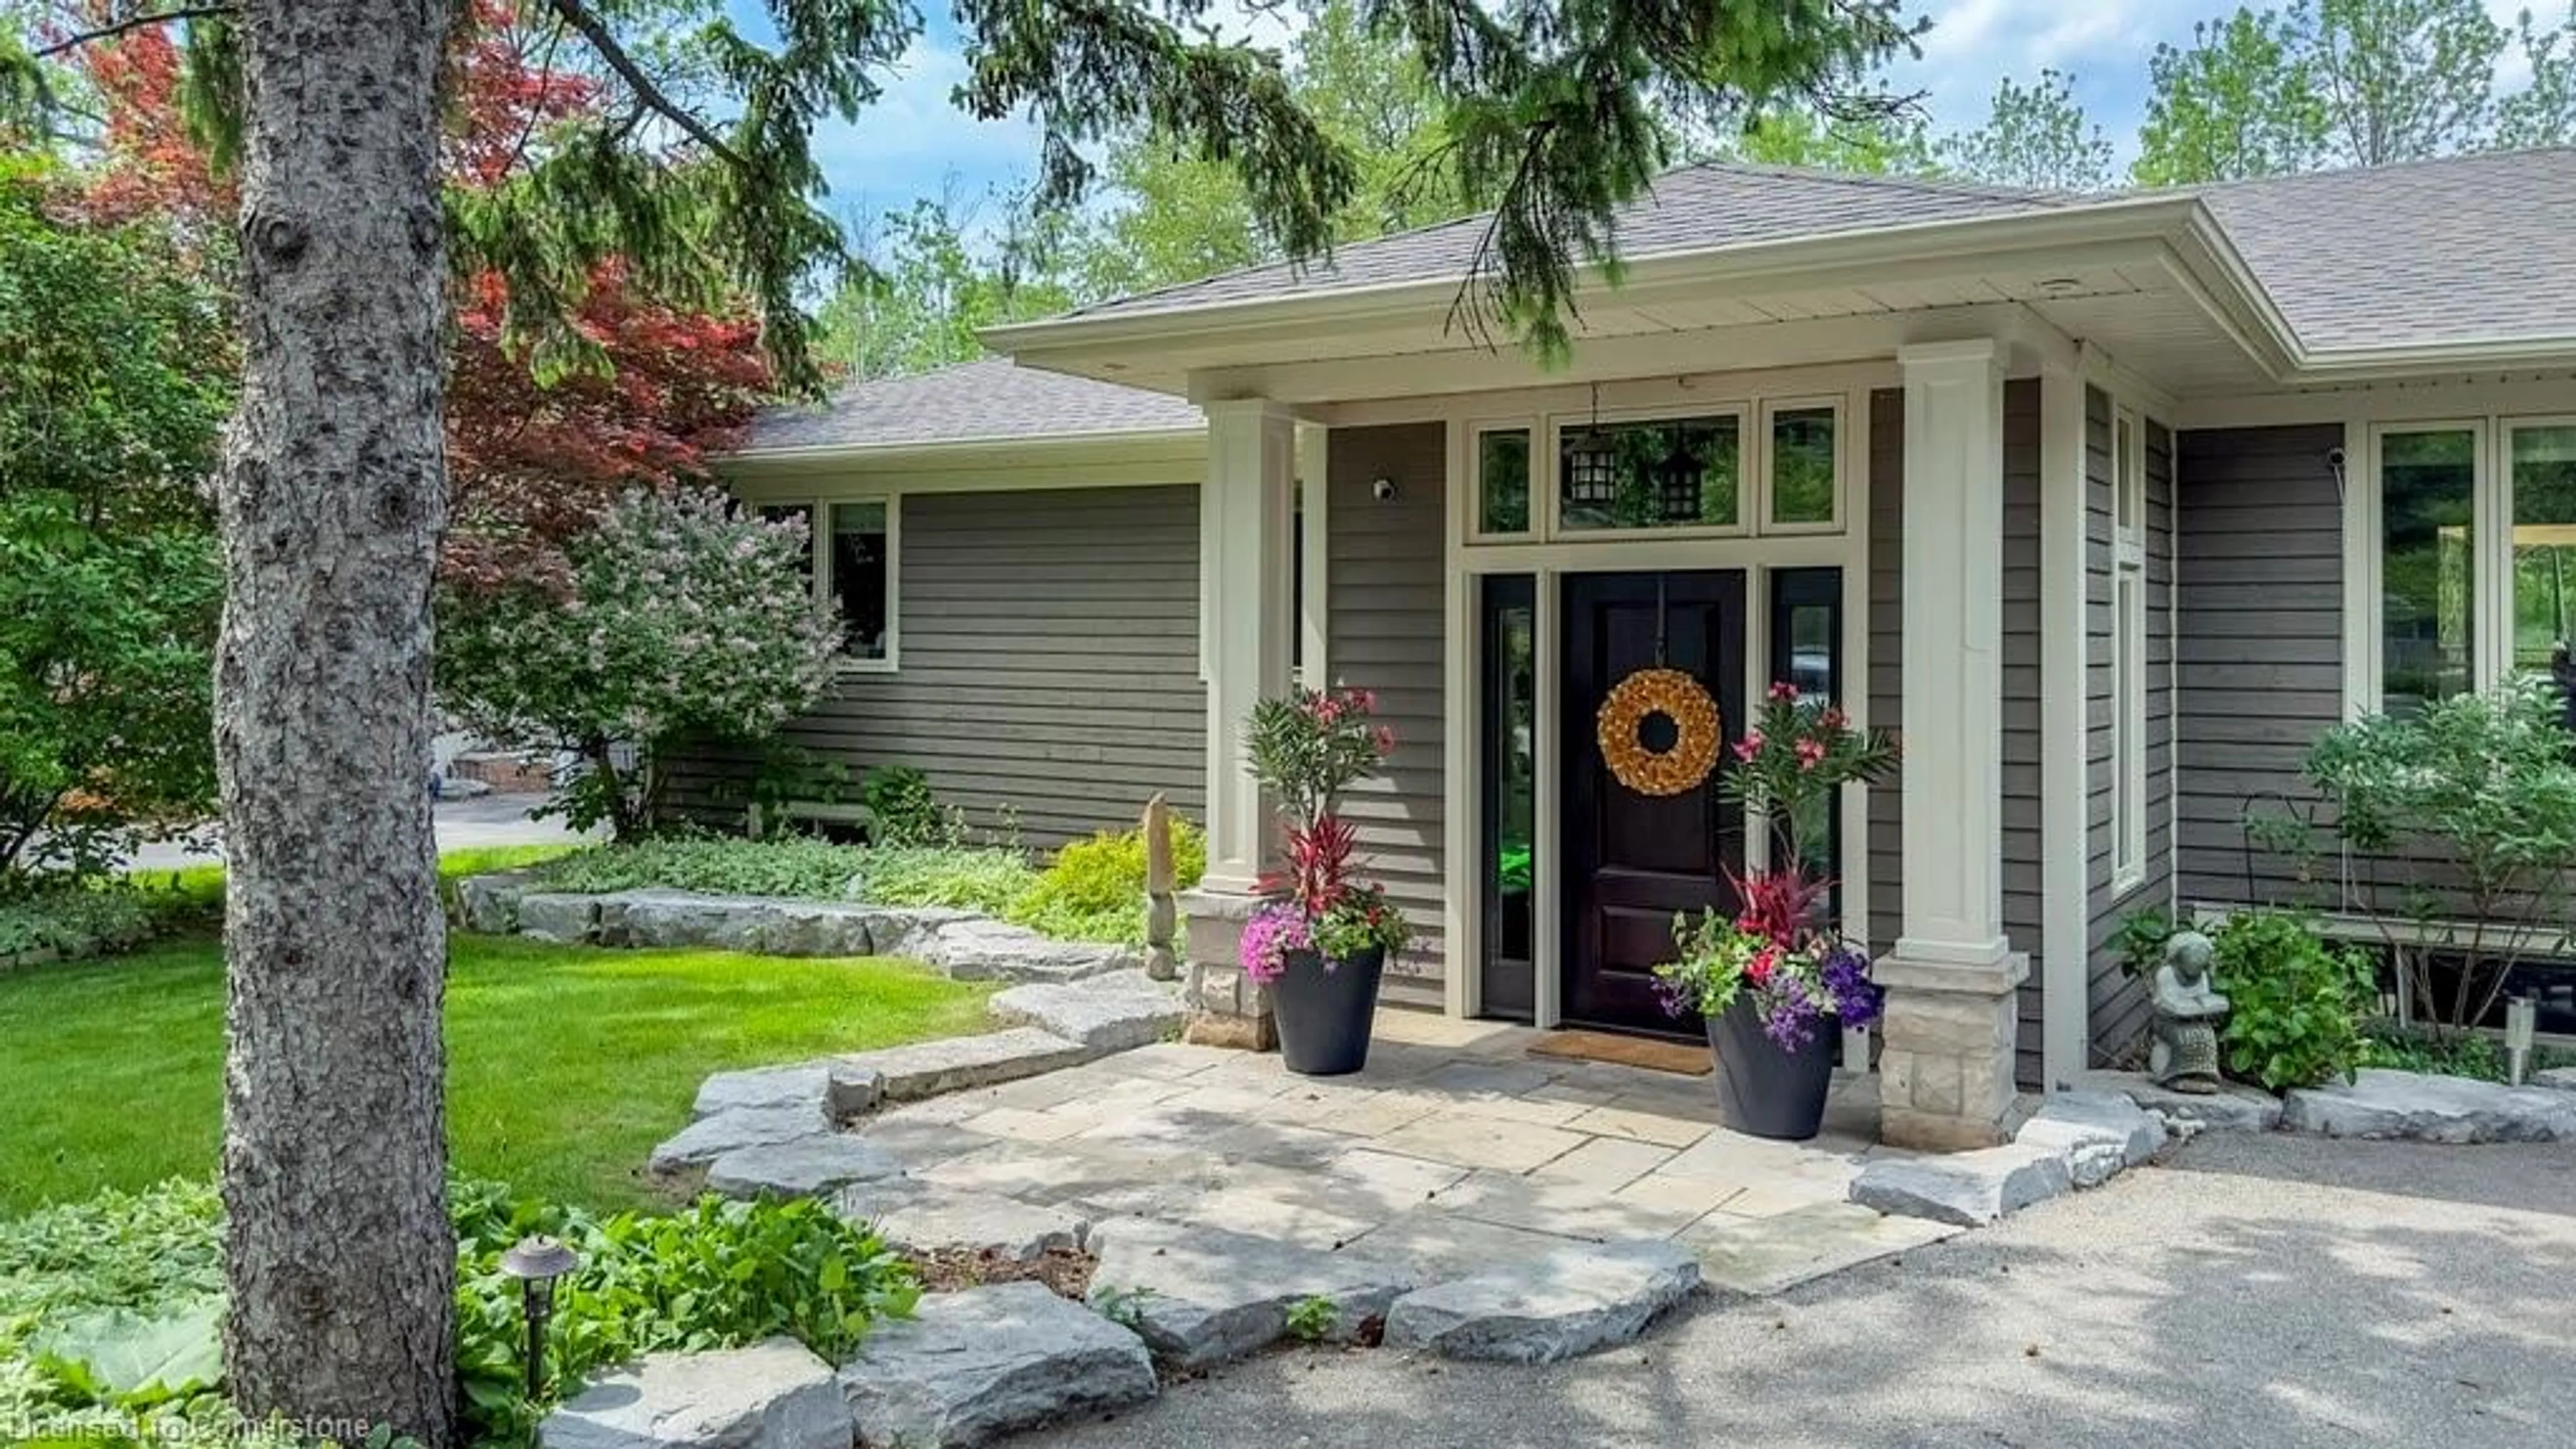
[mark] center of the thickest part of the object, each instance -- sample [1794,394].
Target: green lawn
[565,1064]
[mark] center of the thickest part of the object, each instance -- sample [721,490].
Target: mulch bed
[1065,1271]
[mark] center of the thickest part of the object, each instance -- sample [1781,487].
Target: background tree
[696,173]
[2543,113]
[1892,145]
[2239,101]
[937,277]
[114,380]
[2401,80]
[2036,135]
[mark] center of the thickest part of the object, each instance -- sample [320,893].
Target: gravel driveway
[2269,1291]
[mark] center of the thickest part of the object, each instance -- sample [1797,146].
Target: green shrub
[77,921]
[900,808]
[2296,1002]
[2450,1053]
[123,1279]
[1095,889]
[958,878]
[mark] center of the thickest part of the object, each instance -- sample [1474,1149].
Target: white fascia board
[1025,450]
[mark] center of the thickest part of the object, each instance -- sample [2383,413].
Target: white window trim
[850,664]
[1765,481]
[1475,475]
[2128,651]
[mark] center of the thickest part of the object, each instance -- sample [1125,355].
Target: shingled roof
[974,402]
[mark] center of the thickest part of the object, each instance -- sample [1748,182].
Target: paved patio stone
[972,1366]
[1609,1163]
[1169,1060]
[932,1068]
[1477,1078]
[926,1217]
[1204,1296]
[1264,1212]
[922,1143]
[1569,1209]
[1438,1244]
[1464,1141]
[1020,1124]
[1560,1305]
[1698,1196]
[1639,1124]
[1760,1257]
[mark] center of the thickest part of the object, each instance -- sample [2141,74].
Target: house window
[1804,469]
[2428,573]
[2128,651]
[1667,473]
[2542,477]
[1502,482]
[859,577]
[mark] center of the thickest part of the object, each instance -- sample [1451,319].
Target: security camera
[1384,488]
[2334,459]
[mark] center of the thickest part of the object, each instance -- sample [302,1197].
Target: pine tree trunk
[339,1258]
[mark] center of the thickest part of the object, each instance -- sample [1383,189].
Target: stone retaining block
[1558,1305]
[971,1366]
[773,1395]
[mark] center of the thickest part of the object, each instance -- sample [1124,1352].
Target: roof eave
[954,451]
[1790,260]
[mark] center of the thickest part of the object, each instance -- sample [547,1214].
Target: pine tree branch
[650,95]
[135,22]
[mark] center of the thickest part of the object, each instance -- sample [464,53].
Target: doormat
[1683,1058]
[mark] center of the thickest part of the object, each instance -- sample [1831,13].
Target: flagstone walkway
[1454,1151]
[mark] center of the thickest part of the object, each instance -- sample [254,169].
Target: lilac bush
[686,616]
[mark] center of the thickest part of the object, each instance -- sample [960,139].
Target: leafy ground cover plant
[99,1297]
[77,921]
[2296,1001]
[2450,1053]
[1093,888]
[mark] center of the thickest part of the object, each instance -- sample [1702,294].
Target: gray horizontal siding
[2260,649]
[1885,600]
[2023,908]
[2116,1005]
[1048,643]
[1385,570]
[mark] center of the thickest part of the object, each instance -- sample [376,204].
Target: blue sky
[914,143]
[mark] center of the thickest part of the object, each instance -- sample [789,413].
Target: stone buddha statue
[2182,1052]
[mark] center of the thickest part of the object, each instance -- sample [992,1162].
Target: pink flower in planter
[1811,753]
[1749,746]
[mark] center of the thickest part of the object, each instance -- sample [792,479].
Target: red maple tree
[531,459]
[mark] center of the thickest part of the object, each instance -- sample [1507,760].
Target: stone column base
[1226,1008]
[1945,1067]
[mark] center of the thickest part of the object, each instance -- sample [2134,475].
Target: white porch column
[1250,497]
[1946,1077]
[1248,508]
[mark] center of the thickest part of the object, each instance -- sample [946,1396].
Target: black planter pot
[1325,1016]
[1763,1091]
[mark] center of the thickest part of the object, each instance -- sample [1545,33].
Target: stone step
[971,1366]
[804,1167]
[929,1217]
[773,1395]
[2425,1108]
[2234,1107]
[2100,1134]
[955,1064]
[1969,1189]
[806,1084]
[1111,1013]
[1558,1305]
[1204,1296]
[711,1137]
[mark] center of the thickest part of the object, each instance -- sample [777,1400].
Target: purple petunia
[1845,976]
[1790,1020]
[1275,932]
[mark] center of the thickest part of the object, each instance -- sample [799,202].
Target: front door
[1633,860]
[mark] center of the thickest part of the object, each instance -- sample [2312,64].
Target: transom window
[2477,554]
[1773,466]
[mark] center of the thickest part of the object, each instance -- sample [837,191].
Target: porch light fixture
[1678,480]
[537,1262]
[2521,1017]
[1592,464]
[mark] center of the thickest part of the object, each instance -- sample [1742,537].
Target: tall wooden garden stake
[1161,914]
